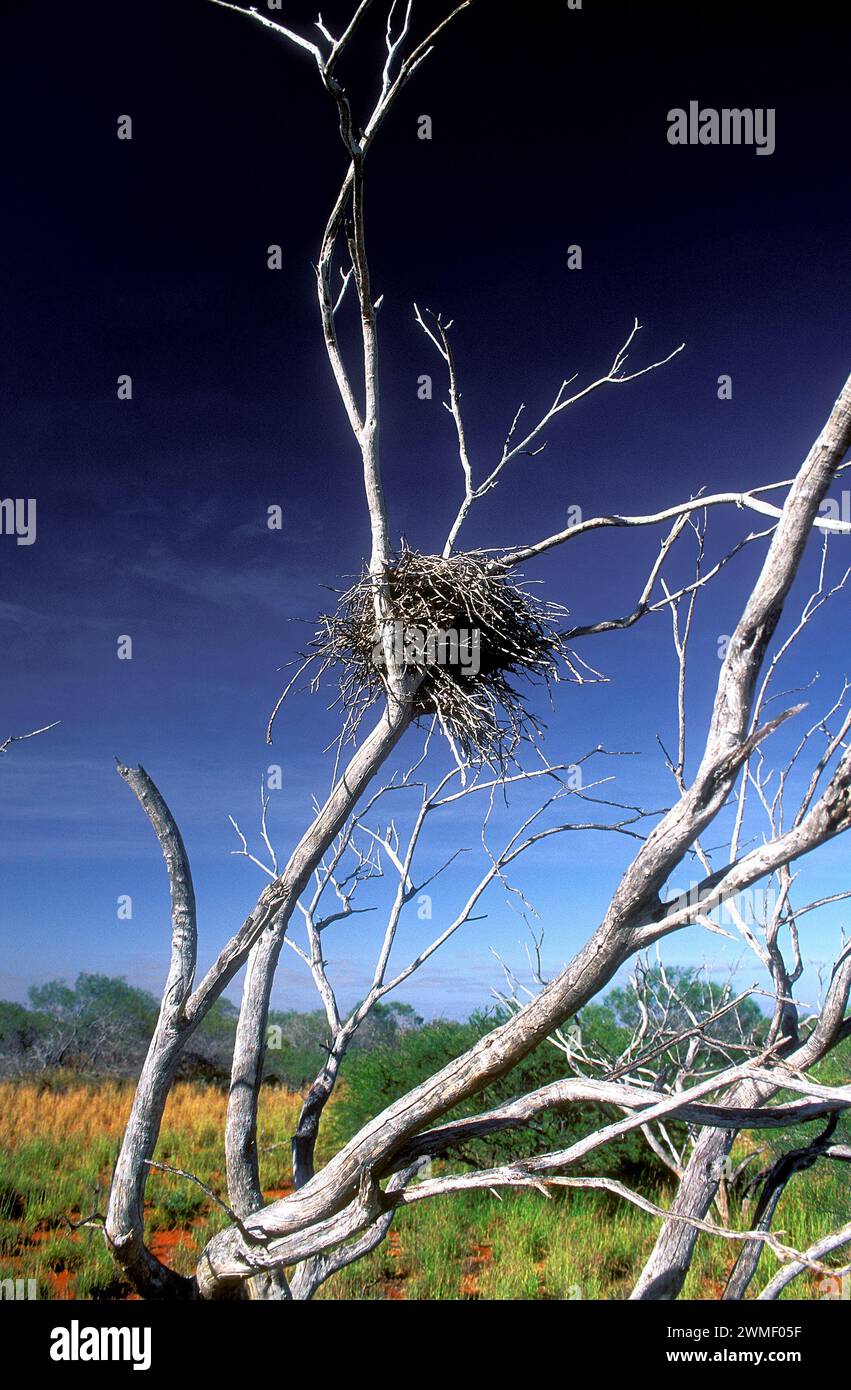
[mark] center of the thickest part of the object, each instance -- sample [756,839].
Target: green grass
[57,1148]
[59,1144]
[574,1246]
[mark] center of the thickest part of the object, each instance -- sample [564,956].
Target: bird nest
[463,633]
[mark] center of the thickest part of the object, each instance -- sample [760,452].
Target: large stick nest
[467,630]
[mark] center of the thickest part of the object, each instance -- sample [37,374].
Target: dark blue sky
[148,257]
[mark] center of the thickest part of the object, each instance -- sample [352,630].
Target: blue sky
[148,257]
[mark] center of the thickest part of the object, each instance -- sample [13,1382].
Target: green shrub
[374,1079]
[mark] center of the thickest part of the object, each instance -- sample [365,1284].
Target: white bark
[341,1212]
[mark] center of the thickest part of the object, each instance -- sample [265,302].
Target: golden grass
[58,1141]
[29,1111]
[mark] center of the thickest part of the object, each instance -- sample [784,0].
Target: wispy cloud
[234,585]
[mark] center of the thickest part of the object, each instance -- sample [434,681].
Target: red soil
[473,1266]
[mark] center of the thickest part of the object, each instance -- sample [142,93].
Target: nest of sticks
[466,631]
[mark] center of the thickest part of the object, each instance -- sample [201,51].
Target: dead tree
[20,738]
[286,1249]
